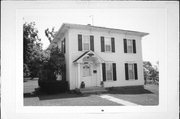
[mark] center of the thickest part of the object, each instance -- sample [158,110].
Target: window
[63,47]
[107,44]
[109,72]
[86,70]
[131,71]
[86,43]
[129,46]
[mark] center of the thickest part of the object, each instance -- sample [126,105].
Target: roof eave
[144,34]
[79,26]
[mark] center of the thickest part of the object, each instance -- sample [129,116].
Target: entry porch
[89,71]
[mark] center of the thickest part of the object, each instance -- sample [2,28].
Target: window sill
[83,50]
[108,52]
[130,53]
[109,81]
[131,79]
[86,76]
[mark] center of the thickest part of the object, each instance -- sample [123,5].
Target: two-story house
[97,54]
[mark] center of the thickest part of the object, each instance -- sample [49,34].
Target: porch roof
[87,53]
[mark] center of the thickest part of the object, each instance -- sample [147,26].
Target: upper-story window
[129,46]
[107,44]
[63,45]
[85,42]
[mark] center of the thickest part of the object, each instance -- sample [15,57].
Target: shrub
[26,71]
[48,71]
[151,73]
[53,86]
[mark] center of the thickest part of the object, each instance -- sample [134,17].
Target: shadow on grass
[28,95]
[49,96]
[61,96]
[30,79]
[35,93]
[128,90]
[113,90]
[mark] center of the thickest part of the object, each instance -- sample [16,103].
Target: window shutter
[126,71]
[102,44]
[92,43]
[79,42]
[113,44]
[134,46]
[114,71]
[104,71]
[64,45]
[135,71]
[125,45]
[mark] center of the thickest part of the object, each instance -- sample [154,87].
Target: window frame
[83,42]
[63,47]
[132,51]
[105,42]
[133,71]
[111,70]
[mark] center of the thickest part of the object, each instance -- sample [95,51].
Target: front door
[89,74]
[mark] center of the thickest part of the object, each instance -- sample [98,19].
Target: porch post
[101,78]
[78,80]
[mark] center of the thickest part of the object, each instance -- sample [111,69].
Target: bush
[48,71]
[48,83]
[151,73]
[53,86]
[26,71]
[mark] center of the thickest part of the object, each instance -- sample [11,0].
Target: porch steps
[91,90]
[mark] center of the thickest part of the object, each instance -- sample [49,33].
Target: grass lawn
[63,99]
[148,97]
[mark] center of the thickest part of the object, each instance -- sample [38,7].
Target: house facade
[97,54]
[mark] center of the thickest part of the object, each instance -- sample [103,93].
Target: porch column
[101,78]
[79,76]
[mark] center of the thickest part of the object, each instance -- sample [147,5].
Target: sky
[152,21]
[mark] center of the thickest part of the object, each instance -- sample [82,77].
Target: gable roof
[80,56]
[86,53]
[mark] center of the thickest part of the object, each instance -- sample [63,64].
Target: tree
[57,59]
[32,50]
[150,72]
[51,70]
[50,34]
[53,66]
